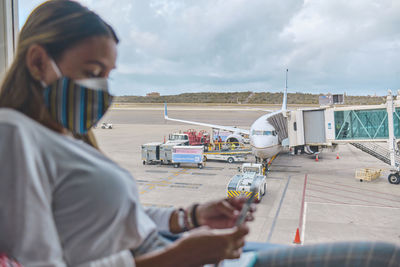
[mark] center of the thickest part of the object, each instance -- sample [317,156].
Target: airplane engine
[235,138]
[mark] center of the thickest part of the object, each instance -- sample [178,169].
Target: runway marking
[275,178]
[216,168]
[287,166]
[283,171]
[303,226]
[157,171]
[302,216]
[326,199]
[354,205]
[303,229]
[355,192]
[369,190]
[165,182]
[202,173]
[278,210]
[366,201]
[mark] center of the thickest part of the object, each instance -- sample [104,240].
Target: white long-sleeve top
[62,202]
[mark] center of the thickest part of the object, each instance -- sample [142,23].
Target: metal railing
[377,151]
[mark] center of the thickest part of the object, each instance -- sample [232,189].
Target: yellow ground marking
[165,182]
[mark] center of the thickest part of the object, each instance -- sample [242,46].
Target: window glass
[365,124]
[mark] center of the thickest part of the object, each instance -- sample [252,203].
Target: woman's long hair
[56,25]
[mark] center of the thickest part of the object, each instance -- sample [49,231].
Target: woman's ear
[36,61]
[40,64]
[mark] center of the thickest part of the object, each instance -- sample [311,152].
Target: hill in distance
[245,98]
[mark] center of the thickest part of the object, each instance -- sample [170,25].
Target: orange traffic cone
[316,157]
[337,155]
[297,237]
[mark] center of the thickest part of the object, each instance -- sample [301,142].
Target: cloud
[180,46]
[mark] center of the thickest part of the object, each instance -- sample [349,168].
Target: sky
[180,46]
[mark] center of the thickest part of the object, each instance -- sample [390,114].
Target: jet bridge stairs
[378,151]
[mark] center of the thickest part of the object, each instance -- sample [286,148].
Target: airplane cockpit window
[259,132]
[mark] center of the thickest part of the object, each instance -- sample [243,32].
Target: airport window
[152,67]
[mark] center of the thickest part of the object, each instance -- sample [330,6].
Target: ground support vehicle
[250,175]
[166,150]
[201,138]
[228,156]
[106,125]
[159,153]
[151,153]
[193,138]
[188,155]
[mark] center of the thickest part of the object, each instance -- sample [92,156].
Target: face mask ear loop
[55,68]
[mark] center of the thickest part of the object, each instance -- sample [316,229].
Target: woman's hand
[223,213]
[213,245]
[198,247]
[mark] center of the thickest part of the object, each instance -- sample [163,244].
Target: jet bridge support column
[394,178]
[392,138]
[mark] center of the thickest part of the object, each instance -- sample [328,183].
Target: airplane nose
[258,142]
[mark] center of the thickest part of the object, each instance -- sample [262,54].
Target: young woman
[62,202]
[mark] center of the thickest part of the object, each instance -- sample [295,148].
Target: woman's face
[93,57]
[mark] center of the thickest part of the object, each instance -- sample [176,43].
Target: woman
[62,202]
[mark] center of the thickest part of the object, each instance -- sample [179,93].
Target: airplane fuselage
[264,138]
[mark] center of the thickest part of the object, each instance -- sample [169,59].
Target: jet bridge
[357,125]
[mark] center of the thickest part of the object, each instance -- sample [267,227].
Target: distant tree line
[246,98]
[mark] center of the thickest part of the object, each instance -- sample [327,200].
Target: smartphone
[246,207]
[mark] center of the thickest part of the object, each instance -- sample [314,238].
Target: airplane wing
[261,109]
[227,128]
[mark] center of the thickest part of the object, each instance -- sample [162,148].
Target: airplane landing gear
[265,166]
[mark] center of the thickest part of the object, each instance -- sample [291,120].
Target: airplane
[267,134]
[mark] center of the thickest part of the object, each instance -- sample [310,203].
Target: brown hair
[56,25]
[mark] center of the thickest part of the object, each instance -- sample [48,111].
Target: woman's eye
[90,74]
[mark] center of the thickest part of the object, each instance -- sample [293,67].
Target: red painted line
[369,190]
[351,191]
[364,201]
[302,203]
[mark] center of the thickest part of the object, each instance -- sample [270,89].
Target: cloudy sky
[176,46]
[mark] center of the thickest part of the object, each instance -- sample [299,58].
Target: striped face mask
[77,104]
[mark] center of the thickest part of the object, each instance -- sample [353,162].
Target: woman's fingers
[235,254]
[227,209]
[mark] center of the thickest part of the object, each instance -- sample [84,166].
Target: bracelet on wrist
[193,215]
[189,219]
[182,219]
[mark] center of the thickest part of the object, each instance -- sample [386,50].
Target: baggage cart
[188,155]
[368,174]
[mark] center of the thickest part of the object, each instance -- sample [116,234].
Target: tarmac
[320,198]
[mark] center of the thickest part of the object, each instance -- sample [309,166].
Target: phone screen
[246,208]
